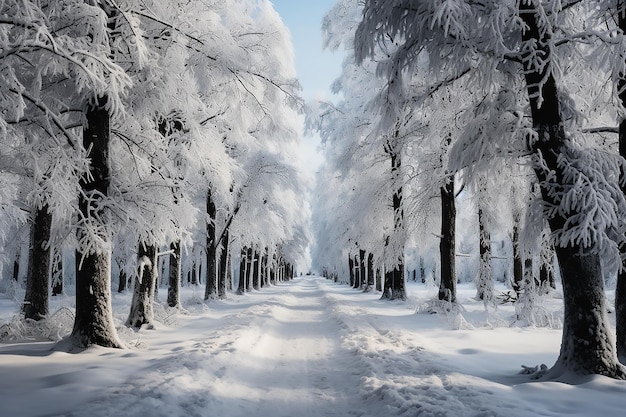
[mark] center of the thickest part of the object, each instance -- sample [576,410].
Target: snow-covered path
[306,348]
[279,356]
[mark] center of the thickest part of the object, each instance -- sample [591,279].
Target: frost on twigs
[589,200]
[53,328]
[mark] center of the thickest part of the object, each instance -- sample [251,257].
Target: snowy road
[277,353]
[306,348]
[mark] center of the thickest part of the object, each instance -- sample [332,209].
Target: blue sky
[316,68]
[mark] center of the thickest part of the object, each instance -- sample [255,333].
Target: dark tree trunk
[447,244]
[122,281]
[357,272]
[229,271]
[620,289]
[16,266]
[379,280]
[362,268]
[484,284]
[256,284]
[265,269]
[388,277]
[224,263]
[174,275]
[351,270]
[93,324]
[546,272]
[518,268]
[587,346]
[57,271]
[241,288]
[193,274]
[141,312]
[38,272]
[249,269]
[370,273]
[273,267]
[210,291]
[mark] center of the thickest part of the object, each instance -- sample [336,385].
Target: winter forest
[460,251]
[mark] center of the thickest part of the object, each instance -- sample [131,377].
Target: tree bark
[122,281]
[174,275]
[484,285]
[357,272]
[141,311]
[249,269]
[351,269]
[57,271]
[38,272]
[256,281]
[587,346]
[93,323]
[210,291]
[518,267]
[447,244]
[224,267]
[370,273]
[241,288]
[362,268]
[16,265]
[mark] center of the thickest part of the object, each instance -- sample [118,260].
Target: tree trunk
[57,271]
[223,273]
[266,269]
[256,284]
[16,265]
[249,269]
[370,273]
[620,289]
[518,268]
[210,291]
[141,312]
[241,288]
[93,323]
[362,268]
[122,281]
[447,244]
[38,272]
[587,346]
[351,269]
[484,284]
[355,262]
[174,275]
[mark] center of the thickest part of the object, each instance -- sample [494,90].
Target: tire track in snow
[401,379]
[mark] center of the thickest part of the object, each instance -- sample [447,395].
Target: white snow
[309,347]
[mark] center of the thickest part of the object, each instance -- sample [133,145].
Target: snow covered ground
[304,348]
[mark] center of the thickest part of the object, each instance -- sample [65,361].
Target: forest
[150,171]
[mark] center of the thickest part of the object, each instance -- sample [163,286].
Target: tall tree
[93,323]
[141,311]
[38,274]
[620,289]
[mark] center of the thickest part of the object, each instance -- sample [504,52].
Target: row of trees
[131,130]
[511,104]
